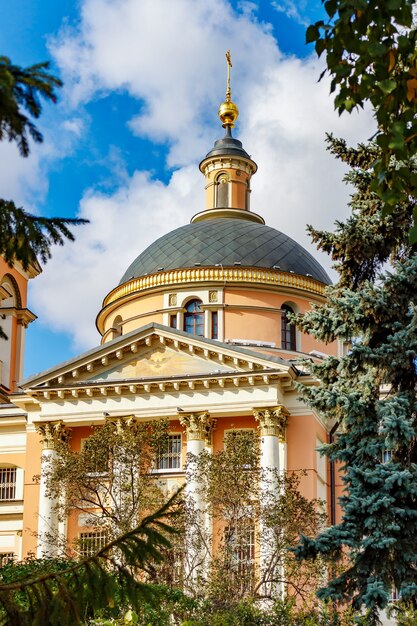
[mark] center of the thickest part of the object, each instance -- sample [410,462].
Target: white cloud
[293,10]
[75,125]
[170,56]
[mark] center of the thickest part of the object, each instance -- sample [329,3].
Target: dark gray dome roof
[225,242]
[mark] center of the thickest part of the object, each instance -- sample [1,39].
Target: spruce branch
[66,597]
[25,237]
[23,88]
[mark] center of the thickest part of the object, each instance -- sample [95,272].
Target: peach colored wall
[238,183]
[254,325]
[13,458]
[230,423]
[31,494]
[302,434]
[129,311]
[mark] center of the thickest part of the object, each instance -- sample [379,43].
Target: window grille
[170,456]
[92,542]
[7,483]
[6,557]
[241,543]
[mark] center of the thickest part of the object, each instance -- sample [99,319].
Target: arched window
[288,341]
[222,191]
[117,326]
[194,318]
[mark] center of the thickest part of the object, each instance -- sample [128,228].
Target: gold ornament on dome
[212,296]
[228,111]
[172,301]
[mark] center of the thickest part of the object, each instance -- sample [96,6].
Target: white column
[196,425]
[272,425]
[48,519]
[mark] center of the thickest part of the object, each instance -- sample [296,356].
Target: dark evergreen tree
[371,391]
[25,237]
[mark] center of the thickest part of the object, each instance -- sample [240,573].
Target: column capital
[272,420]
[196,425]
[51,433]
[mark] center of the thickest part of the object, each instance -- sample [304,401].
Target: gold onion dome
[228,111]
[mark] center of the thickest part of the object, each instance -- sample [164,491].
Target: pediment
[162,361]
[153,354]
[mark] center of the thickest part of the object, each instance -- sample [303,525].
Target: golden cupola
[228,169]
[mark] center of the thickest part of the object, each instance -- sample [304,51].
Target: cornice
[212,275]
[142,386]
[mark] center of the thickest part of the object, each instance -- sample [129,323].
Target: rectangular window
[386,455]
[214,325]
[96,459]
[170,456]
[7,483]
[92,542]
[173,321]
[241,543]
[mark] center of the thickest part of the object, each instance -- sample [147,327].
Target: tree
[25,237]
[66,593]
[110,478]
[238,510]
[371,55]
[371,392]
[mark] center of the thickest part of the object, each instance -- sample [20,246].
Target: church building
[196,332]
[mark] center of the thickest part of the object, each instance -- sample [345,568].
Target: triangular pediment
[153,352]
[161,362]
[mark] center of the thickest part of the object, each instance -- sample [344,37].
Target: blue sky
[143,80]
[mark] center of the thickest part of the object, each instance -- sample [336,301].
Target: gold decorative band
[213,275]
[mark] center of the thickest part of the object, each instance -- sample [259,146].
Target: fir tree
[371,391]
[25,237]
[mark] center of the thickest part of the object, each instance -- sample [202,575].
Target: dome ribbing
[225,242]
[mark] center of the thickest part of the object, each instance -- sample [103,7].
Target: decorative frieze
[196,425]
[272,421]
[52,433]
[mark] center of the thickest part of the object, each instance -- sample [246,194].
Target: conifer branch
[66,597]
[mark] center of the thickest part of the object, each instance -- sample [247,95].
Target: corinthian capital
[196,425]
[51,433]
[272,420]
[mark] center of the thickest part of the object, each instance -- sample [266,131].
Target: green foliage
[66,596]
[22,89]
[111,476]
[240,498]
[24,237]
[371,55]
[371,392]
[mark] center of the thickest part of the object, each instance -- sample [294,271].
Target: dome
[225,242]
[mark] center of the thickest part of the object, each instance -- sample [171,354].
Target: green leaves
[371,57]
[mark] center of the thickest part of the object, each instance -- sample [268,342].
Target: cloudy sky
[143,81]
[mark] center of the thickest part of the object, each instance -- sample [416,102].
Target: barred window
[170,456]
[7,483]
[6,557]
[241,543]
[92,542]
